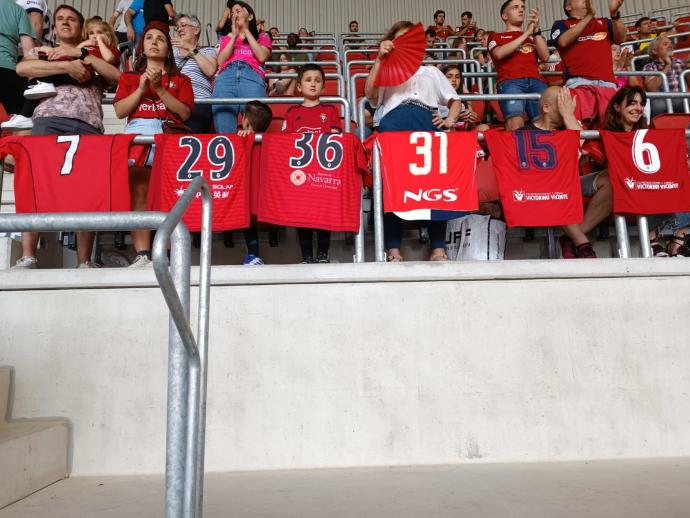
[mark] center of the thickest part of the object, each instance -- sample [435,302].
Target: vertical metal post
[684,88]
[551,243]
[622,237]
[178,375]
[379,248]
[2,177]
[643,229]
[359,239]
[202,344]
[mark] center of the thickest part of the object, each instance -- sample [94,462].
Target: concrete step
[33,452]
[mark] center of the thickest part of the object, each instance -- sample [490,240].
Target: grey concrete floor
[658,488]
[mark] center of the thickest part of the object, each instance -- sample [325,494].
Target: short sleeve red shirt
[520,64]
[589,56]
[321,118]
[442,33]
[150,106]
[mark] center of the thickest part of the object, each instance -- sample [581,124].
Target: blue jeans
[143,126]
[408,117]
[672,222]
[515,108]
[236,81]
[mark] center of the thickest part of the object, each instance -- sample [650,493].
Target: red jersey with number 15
[222,159]
[537,175]
[429,170]
[312,180]
[648,171]
[70,173]
[520,64]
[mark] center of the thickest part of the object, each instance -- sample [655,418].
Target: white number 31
[425,150]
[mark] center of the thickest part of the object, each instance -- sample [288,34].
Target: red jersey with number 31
[312,180]
[222,159]
[537,175]
[648,171]
[70,173]
[429,170]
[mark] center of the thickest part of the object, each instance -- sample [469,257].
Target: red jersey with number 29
[222,159]
[70,173]
[538,177]
[648,171]
[429,170]
[312,180]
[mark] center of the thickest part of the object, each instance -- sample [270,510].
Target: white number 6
[645,154]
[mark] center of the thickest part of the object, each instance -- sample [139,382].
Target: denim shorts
[145,127]
[588,184]
[515,108]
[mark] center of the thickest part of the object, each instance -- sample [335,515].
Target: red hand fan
[404,60]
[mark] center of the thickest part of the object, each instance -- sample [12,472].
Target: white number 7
[69,156]
[426,151]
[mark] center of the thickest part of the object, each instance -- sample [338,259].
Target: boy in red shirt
[584,43]
[516,55]
[441,31]
[312,117]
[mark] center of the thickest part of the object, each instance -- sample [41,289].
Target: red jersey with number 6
[648,171]
[70,173]
[222,159]
[537,175]
[429,170]
[312,180]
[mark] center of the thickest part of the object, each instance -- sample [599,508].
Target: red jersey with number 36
[429,170]
[312,180]
[222,159]
[70,173]
[538,176]
[648,171]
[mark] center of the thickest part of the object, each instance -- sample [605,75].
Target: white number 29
[645,154]
[69,155]
[425,150]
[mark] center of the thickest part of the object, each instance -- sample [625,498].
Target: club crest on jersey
[324,117]
[527,48]
[518,195]
[298,178]
[599,36]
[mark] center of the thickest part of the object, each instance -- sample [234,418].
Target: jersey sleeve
[125,86]
[265,41]
[186,93]
[609,26]
[492,43]
[557,30]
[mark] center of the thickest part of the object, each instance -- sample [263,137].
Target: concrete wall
[356,365]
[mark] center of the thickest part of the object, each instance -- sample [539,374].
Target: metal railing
[293,75]
[187,355]
[648,40]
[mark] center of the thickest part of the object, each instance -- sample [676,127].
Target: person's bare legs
[85,246]
[29,244]
[139,187]
[598,209]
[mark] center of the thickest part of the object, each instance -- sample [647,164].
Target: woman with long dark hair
[153,94]
[625,113]
[243,52]
[412,106]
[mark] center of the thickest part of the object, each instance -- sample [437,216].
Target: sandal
[678,247]
[658,249]
[394,257]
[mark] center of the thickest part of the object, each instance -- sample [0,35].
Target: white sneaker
[40,90]
[88,264]
[141,261]
[17,122]
[26,262]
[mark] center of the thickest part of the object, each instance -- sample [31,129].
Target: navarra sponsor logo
[298,178]
[634,185]
[522,196]
[446,195]
[324,180]
[594,37]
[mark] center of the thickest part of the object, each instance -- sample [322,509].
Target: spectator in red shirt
[468,27]
[516,55]
[153,95]
[441,31]
[584,43]
[312,117]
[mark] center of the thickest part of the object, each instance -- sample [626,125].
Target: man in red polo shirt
[441,30]
[584,43]
[516,55]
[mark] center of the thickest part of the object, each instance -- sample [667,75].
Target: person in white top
[41,20]
[412,106]
[117,20]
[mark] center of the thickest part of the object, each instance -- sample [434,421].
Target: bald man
[557,112]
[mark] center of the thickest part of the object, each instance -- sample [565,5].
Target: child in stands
[257,119]
[312,117]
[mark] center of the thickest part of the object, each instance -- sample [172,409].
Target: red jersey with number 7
[70,173]
[312,180]
[429,170]
[222,159]
[538,176]
[648,171]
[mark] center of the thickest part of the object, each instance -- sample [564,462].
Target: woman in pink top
[243,52]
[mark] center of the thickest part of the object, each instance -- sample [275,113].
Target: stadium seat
[330,87]
[682,19]
[279,110]
[671,121]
